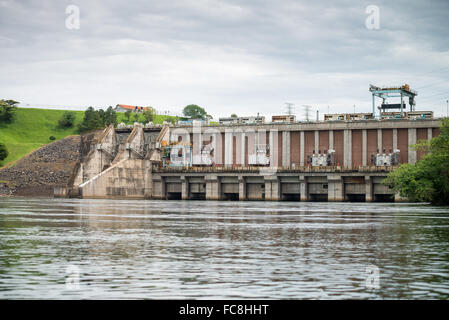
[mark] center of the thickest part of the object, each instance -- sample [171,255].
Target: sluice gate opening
[318,197]
[197,196]
[383,198]
[174,196]
[356,197]
[231,196]
[291,197]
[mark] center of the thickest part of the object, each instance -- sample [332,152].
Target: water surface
[196,249]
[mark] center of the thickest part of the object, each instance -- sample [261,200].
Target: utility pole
[306,111]
[289,108]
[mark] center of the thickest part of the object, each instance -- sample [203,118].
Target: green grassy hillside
[32,129]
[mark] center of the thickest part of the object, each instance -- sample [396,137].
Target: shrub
[8,110]
[67,120]
[3,151]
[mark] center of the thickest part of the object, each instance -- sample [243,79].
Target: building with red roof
[124,108]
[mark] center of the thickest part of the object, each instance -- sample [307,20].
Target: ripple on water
[196,249]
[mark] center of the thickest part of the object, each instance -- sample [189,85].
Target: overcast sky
[238,57]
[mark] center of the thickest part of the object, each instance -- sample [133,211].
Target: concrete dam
[342,159]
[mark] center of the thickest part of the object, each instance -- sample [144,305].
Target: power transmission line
[307,111]
[426,73]
[437,94]
[429,85]
[289,108]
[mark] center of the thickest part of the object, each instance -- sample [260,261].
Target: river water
[92,249]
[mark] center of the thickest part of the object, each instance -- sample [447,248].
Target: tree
[3,151]
[136,117]
[149,114]
[110,117]
[101,116]
[234,115]
[92,120]
[193,111]
[67,119]
[8,110]
[127,115]
[428,179]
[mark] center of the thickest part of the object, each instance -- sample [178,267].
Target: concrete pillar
[331,139]
[197,144]
[379,140]
[285,148]
[274,149]
[276,190]
[369,196]
[267,190]
[317,141]
[159,191]
[335,188]
[242,188]
[304,191]
[163,194]
[213,187]
[148,179]
[243,153]
[364,147]
[228,147]
[272,188]
[347,145]
[395,139]
[301,148]
[411,141]
[429,133]
[184,188]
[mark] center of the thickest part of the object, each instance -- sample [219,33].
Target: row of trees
[97,119]
[148,115]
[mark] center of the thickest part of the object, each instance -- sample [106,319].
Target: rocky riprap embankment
[37,174]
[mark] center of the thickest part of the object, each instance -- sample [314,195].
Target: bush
[8,110]
[428,179]
[3,151]
[67,120]
[149,114]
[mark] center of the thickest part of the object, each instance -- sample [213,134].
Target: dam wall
[308,161]
[128,178]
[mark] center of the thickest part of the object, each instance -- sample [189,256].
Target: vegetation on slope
[31,129]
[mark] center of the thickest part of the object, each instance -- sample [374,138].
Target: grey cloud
[227,55]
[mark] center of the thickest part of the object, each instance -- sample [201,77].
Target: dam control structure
[343,158]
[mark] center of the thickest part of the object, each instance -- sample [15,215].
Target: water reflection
[197,249]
